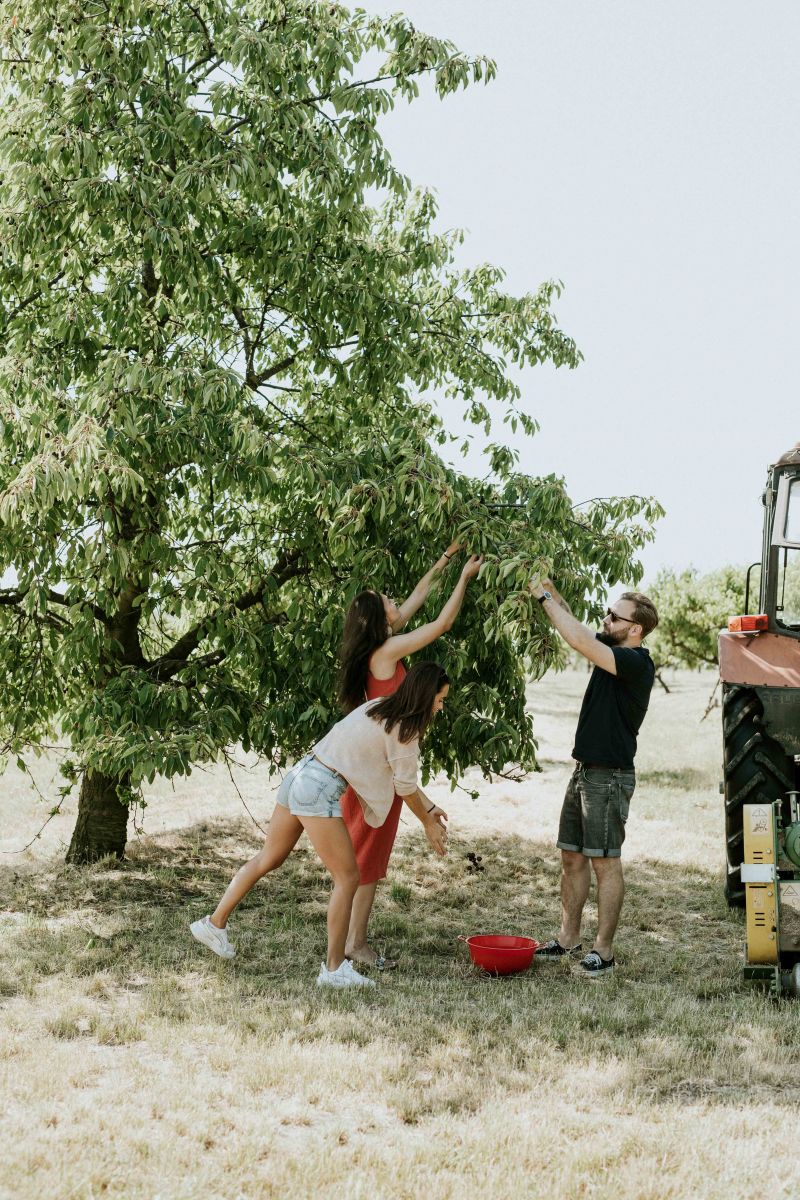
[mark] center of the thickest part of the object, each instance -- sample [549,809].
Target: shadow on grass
[676,1022]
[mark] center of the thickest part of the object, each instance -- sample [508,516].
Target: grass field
[136,1065]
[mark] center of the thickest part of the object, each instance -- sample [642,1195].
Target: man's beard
[612,639]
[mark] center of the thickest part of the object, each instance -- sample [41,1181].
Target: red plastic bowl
[501,955]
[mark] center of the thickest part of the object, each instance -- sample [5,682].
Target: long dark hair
[411,706]
[365,628]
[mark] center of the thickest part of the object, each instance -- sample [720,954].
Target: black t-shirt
[613,709]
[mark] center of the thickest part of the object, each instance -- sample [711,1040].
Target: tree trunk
[660,679]
[102,824]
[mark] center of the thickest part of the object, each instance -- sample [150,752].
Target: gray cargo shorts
[595,810]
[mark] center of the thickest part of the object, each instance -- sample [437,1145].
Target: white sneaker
[344,976]
[215,939]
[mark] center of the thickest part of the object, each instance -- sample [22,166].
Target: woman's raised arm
[420,593]
[401,644]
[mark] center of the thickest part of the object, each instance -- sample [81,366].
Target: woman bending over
[375,751]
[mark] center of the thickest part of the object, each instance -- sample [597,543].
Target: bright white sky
[646,155]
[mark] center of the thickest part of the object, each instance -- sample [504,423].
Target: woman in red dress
[371,666]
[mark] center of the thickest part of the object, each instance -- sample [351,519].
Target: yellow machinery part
[760,883]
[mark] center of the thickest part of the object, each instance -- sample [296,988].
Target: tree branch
[23,304]
[204,27]
[176,658]
[12,596]
[690,652]
[255,380]
[288,416]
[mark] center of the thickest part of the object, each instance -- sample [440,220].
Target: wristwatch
[544,596]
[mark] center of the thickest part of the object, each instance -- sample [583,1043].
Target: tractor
[759,664]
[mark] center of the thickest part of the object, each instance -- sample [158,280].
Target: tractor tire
[757,771]
[794,981]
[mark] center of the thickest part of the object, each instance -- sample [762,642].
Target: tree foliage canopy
[692,608]
[225,316]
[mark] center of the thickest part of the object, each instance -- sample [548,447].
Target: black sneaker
[595,967]
[553,951]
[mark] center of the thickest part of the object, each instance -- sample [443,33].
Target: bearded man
[592,825]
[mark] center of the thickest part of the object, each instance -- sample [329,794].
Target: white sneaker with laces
[215,939]
[344,976]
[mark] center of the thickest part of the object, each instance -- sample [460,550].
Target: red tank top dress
[373,847]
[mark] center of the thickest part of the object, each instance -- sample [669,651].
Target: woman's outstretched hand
[472,566]
[453,548]
[436,830]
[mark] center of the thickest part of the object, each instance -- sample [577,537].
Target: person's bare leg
[357,946]
[282,834]
[575,880]
[610,894]
[330,839]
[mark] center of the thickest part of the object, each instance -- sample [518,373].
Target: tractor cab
[781,551]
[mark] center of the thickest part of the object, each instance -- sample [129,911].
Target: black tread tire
[794,981]
[757,771]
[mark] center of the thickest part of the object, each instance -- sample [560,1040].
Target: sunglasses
[616,617]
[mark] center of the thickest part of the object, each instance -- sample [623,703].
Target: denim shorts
[595,810]
[311,789]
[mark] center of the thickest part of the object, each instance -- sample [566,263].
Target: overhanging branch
[14,596]
[177,657]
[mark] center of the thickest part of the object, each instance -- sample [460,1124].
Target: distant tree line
[693,607]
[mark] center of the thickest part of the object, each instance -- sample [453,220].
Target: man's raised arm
[579,637]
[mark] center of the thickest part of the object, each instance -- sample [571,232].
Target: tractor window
[786,529]
[792,530]
[788,600]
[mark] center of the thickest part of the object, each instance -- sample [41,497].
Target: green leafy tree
[224,316]
[692,609]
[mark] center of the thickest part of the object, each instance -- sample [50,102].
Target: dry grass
[134,1065]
